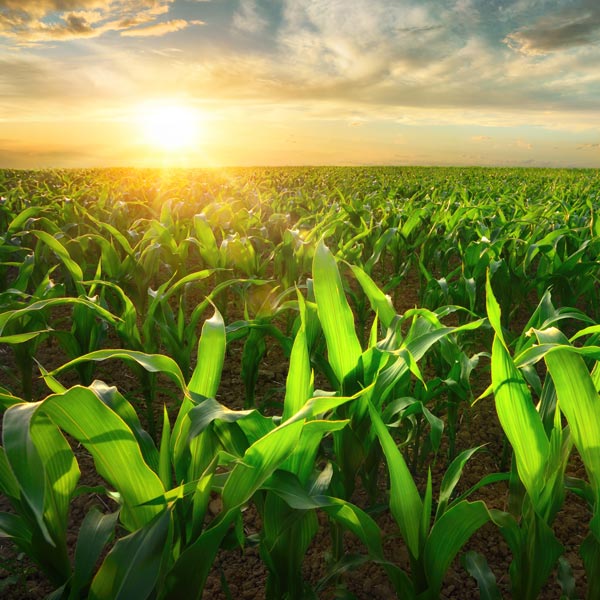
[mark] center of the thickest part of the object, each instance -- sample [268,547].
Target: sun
[170,127]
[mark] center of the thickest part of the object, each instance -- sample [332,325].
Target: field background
[429,310]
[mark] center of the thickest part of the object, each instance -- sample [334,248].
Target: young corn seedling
[162,328]
[25,326]
[167,525]
[576,394]
[297,489]
[387,364]
[431,546]
[39,474]
[540,458]
[263,305]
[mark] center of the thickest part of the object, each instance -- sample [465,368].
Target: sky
[99,83]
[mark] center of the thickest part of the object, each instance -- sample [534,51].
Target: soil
[241,573]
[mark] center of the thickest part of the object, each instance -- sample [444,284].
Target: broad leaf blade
[96,531]
[132,567]
[448,535]
[116,453]
[478,568]
[335,315]
[211,354]
[405,502]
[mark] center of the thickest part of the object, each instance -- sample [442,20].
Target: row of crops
[397,298]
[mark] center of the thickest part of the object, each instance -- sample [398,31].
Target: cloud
[480,138]
[249,18]
[32,22]
[588,147]
[414,63]
[571,27]
[159,28]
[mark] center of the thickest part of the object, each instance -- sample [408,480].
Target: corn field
[399,300]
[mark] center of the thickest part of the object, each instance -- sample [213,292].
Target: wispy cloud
[248,18]
[159,29]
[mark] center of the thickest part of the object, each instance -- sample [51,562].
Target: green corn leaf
[302,460]
[206,238]
[21,219]
[154,363]
[380,302]
[451,477]
[120,405]
[7,399]
[417,343]
[427,503]
[164,453]
[537,352]
[259,461]
[201,498]
[287,534]
[320,405]
[255,348]
[288,487]
[115,450]
[132,568]
[405,502]
[19,338]
[117,235]
[9,485]
[211,354]
[517,414]
[478,568]
[209,410]
[62,473]
[191,278]
[483,482]
[40,305]
[25,461]
[46,472]
[72,267]
[127,325]
[187,577]
[96,531]
[15,528]
[358,522]
[493,310]
[298,388]
[578,400]
[448,535]
[335,315]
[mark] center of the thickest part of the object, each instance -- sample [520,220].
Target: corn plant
[387,364]
[263,305]
[431,546]
[540,459]
[159,328]
[576,396]
[27,324]
[166,524]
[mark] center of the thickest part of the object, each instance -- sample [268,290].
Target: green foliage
[316,261]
